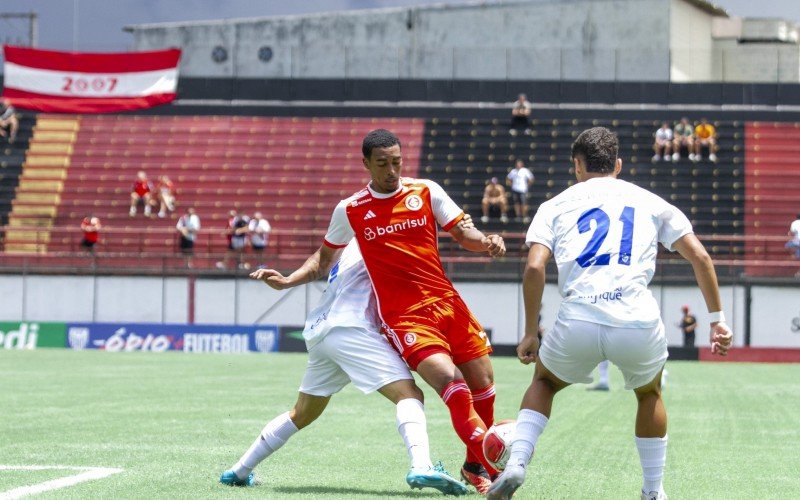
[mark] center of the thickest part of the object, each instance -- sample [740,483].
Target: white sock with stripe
[412,426]
[530,425]
[653,457]
[272,437]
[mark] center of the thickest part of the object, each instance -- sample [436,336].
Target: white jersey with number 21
[604,235]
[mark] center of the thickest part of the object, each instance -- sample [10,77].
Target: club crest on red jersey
[413,202]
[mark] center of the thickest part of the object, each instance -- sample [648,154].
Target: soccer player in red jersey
[394,221]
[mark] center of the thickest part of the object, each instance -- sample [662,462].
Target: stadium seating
[293,170]
[464,154]
[773,181]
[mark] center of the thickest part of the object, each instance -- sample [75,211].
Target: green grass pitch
[175,421]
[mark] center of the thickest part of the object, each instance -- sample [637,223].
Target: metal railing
[156,251]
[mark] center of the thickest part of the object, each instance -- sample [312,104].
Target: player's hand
[721,337]
[271,277]
[494,245]
[528,349]
[466,222]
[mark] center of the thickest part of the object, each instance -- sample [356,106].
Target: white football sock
[602,371]
[653,456]
[412,426]
[272,437]
[530,425]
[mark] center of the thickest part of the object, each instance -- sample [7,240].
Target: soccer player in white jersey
[604,234]
[344,345]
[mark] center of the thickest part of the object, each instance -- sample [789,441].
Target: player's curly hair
[598,147]
[378,138]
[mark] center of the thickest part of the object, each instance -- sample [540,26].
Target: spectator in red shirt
[141,191]
[91,232]
[166,196]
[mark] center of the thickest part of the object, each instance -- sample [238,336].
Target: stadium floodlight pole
[33,29]
[74,25]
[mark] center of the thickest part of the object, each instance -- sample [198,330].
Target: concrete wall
[756,62]
[690,44]
[226,301]
[548,39]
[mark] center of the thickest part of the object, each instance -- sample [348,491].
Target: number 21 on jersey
[588,256]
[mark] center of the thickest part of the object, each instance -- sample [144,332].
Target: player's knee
[649,391]
[301,417]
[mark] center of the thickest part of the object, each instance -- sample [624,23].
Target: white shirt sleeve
[541,229]
[672,225]
[529,176]
[340,232]
[795,228]
[265,226]
[444,208]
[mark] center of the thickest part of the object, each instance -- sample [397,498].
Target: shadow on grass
[332,490]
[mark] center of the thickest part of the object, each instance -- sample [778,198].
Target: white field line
[84,474]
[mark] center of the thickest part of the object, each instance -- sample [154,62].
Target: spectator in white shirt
[188,226]
[794,232]
[259,229]
[520,179]
[662,147]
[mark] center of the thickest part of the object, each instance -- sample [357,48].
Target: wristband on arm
[716,317]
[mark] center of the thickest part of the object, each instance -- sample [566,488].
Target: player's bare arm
[532,289]
[466,222]
[314,268]
[475,241]
[692,250]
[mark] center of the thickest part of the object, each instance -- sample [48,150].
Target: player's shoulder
[637,193]
[422,185]
[416,182]
[355,199]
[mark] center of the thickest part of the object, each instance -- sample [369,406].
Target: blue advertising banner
[126,337]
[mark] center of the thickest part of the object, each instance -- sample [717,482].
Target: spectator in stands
[494,196]
[166,196]
[90,225]
[236,233]
[794,233]
[662,147]
[9,124]
[520,179]
[688,325]
[188,226]
[259,230]
[684,138]
[141,191]
[705,135]
[520,115]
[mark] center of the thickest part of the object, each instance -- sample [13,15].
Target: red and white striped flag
[74,82]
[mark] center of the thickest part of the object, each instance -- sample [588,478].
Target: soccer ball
[497,443]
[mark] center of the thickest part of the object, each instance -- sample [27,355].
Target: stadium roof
[700,4]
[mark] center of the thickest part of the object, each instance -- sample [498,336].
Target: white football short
[354,355]
[573,348]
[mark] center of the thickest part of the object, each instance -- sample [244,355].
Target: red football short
[444,326]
